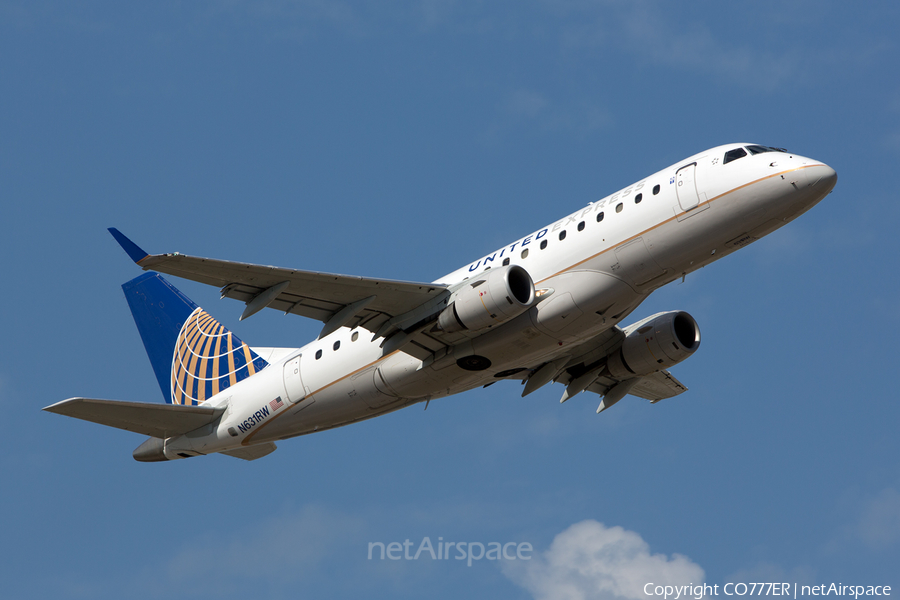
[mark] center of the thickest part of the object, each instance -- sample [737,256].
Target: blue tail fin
[193,355]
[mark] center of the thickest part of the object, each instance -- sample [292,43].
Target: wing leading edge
[336,300]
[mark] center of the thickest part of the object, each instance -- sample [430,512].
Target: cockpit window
[761,149]
[758,149]
[734,155]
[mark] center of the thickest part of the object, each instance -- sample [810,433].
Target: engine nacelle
[496,296]
[656,343]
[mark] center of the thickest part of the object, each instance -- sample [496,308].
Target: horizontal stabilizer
[156,420]
[252,452]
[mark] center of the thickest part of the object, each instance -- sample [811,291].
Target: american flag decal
[276,403]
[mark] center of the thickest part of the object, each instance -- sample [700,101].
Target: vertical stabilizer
[194,356]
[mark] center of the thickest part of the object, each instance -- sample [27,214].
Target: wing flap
[288,301]
[655,387]
[252,452]
[658,386]
[155,420]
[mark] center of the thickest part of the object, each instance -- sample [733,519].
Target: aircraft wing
[586,371]
[655,387]
[252,452]
[659,386]
[336,300]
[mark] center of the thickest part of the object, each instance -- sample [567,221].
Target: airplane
[544,308]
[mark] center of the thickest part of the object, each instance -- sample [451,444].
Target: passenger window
[619,207]
[543,244]
[655,189]
[734,155]
[599,216]
[355,336]
[581,226]
[638,198]
[505,261]
[562,235]
[318,354]
[525,253]
[337,345]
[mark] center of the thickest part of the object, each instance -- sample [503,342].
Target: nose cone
[822,177]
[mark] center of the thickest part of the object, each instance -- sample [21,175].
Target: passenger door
[293,383]
[686,187]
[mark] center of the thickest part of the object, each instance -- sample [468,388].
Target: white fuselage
[596,266]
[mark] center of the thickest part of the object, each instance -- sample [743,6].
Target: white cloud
[589,561]
[526,103]
[873,524]
[269,551]
[879,522]
[525,109]
[653,36]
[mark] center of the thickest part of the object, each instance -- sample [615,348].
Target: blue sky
[403,140]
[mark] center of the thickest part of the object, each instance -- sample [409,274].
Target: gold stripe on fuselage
[670,219]
[246,440]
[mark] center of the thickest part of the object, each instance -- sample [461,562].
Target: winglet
[133,250]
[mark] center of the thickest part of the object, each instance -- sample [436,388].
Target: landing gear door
[293,383]
[686,187]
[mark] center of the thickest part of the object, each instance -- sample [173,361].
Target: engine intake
[495,297]
[656,343]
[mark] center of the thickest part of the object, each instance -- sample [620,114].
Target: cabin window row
[562,234]
[337,345]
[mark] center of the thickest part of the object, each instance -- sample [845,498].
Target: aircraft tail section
[157,420]
[194,356]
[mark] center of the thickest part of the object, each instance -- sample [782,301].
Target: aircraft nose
[822,176]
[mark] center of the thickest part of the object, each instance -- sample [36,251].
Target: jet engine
[656,343]
[495,297]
